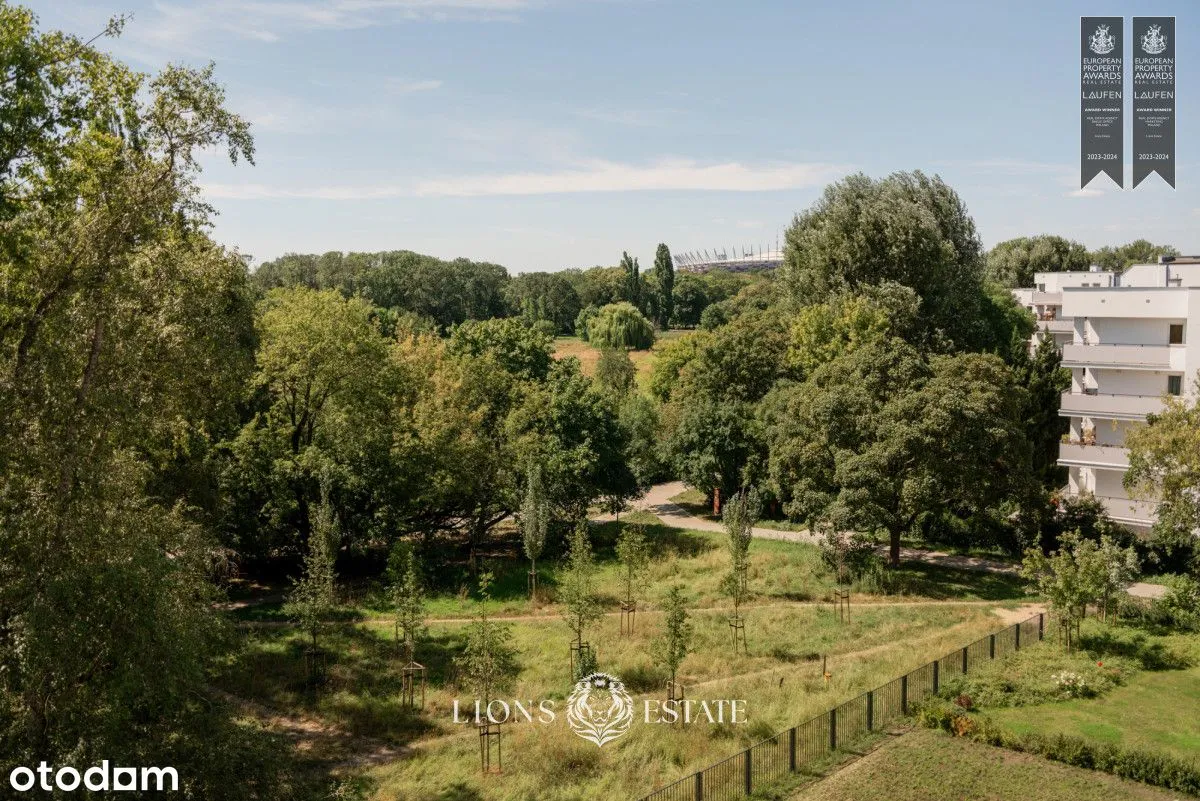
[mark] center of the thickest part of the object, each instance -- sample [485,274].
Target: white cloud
[1087,191]
[403,87]
[593,176]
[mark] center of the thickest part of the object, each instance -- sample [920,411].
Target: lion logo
[592,716]
[1154,41]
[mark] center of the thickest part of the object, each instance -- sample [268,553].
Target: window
[1174,384]
[1175,336]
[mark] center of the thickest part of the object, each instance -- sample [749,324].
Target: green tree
[620,325]
[545,296]
[583,320]
[739,514]
[689,299]
[407,593]
[1117,568]
[124,340]
[1012,263]
[488,663]
[633,280]
[675,643]
[521,349]
[1164,464]
[640,420]
[633,552]
[907,228]
[1062,577]
[664,279]
[1139,251]
[823,331]
[615,372]
[1045,380]
[535,522]
[314,596]
[577,591]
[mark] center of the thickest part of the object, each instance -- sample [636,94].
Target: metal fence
[810,742]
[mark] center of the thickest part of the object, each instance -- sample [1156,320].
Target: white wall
[1127,382]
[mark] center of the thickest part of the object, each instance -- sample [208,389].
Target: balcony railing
[1109,407]
[1057,326]
[1144,356]
[1127,510]
[1109,457]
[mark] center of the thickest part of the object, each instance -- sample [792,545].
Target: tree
[689,300]
[847,321]
[633,280]
[620,325]
[615,372]
[521,349]
[664,277]
[545,296]
[1164,464]
[739,514]
[1062,578]
[407,595]
[1045,381]
[1116,569]
[583,320]
[1012,263]
[124,342]
[1139,251]
[633,552]
[577,591]
[675,643]
[535,522]
[314,596]
[641,423]
[488,662]
[907,228]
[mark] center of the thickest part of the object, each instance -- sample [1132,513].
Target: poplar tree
[535,521]
[664,274]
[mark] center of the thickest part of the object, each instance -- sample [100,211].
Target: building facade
[1127,339]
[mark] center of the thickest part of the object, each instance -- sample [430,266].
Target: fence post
[936,683]
[1017,632]
[964,660]
[699,790]
[870,710]
[792,749]
[833,730]
[991,646]
[748,766]
[1041,625]
[904,694]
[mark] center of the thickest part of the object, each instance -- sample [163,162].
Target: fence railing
[815,739]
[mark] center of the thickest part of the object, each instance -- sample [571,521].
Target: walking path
[657,501]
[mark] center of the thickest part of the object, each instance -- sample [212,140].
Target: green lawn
[931,766]
[1157,710]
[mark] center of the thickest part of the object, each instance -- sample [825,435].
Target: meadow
[792,630]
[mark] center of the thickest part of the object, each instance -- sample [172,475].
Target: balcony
[1047,298]
[1129,357]
[1105,457]
[1125,510]
[1057,326]
[1109,407]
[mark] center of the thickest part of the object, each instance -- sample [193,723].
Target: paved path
[657,501]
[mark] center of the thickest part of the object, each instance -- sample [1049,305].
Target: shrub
[1180,606]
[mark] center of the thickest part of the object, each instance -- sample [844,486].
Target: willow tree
[620,325]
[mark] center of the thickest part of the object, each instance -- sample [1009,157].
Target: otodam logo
[1102,42]
[1153,40]
[601,710]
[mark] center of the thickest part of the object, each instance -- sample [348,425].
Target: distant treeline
[447,293]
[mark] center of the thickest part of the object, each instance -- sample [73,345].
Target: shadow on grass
[946,583]
[1135,645]
[664,541]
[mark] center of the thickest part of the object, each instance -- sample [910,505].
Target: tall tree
[675,643]
[664,278]
[313,598]
[124,335]
[633,280]
[907,228]
[1045,380]
[535,522]
[407,593]
[577,590]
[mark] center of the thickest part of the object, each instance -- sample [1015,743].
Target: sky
[544,134]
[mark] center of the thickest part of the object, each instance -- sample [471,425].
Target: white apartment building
[1126,338]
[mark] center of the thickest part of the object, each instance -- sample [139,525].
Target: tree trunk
[894,549]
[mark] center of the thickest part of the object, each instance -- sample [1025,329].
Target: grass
[931,766]
[1155,710]
[788,628]
[588,355]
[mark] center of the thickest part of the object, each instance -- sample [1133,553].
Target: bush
[583,320]
[620,325]
[1179,607]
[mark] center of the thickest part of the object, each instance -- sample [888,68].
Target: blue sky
[543,134]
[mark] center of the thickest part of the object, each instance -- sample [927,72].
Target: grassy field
[789,629]
[1156,710]
[643,360]
[931,766]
